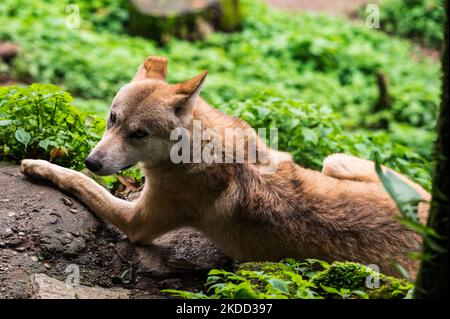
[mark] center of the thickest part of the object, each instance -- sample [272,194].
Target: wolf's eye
[112,118]
[138,134]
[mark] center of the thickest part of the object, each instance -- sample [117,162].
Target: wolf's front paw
[36,168]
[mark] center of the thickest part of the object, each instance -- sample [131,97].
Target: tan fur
[349,167]
[340,214]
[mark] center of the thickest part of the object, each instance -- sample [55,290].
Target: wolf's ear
[193,86]
[187,92]
[154,67]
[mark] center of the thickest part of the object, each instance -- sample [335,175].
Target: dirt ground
[334,7]
[43,231]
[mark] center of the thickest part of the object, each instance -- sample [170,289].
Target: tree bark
[162,20]
[432,280]
[8,51]
[384,100]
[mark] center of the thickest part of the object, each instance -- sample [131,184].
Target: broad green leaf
[405,196]
[23,136]
[330,290]
[213,279]
[310,135]
[90,120]
[5,122]
[279,284]
[44,144]
[245,292]
[218,272]
[360,294]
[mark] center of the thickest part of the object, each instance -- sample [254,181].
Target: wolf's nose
[93,164]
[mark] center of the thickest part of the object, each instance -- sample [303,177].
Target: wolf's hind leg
[343,166]
[99,200]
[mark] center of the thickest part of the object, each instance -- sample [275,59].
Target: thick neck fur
[210,118]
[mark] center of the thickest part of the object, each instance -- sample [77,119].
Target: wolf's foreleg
[99,200]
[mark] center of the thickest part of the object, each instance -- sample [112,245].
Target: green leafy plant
[407,200]
[329,55]
[290,279]
[421,20]
[311,132]
[39,122]
[103,15]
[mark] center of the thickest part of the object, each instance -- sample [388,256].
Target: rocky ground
[47,236]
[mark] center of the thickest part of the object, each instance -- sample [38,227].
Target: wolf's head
[142,116]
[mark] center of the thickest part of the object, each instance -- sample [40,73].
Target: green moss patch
[290,279]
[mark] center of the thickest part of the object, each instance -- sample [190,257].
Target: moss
[312,279]
[353,276]
[274,269]
[346,275]
[391,288]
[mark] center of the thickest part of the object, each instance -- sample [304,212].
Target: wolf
[339,214]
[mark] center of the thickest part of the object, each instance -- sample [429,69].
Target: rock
[189,249]
[15,270]
[183,250]
[45,287]
[186,19]
[58,240]
[67,201]
[44,214]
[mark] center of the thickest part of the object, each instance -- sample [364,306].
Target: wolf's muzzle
[93,164]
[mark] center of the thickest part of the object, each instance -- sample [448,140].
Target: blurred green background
[314,75]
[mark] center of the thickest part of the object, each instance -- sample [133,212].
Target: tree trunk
[432,280]
[8,51]
[161,20]
[384,100]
